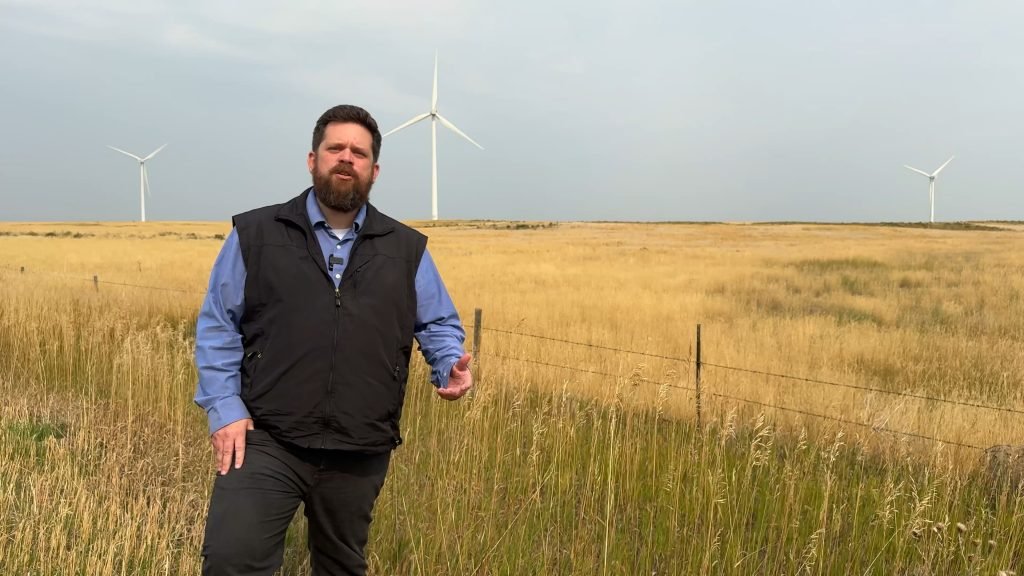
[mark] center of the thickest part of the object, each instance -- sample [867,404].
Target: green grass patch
[36,431]
[28,440]
[856,285]
[909,283]
[842,313]
[839,265]
[953,226]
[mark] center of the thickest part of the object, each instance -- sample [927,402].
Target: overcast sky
[587,109]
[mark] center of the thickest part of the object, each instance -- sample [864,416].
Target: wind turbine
[435,117]
[143,175]
[931,182]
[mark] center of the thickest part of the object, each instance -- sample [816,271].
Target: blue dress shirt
[219,340]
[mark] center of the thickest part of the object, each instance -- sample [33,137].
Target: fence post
[697,371]
[477,330]
[22,269]
[96,282]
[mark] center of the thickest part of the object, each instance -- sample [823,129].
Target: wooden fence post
[22,269]
[697,371]
[96,282]
[477,331]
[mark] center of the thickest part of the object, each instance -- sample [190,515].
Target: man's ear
[310,161]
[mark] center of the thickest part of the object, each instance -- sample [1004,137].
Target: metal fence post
[697,371]
[477,331]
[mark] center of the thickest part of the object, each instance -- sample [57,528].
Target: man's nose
[345,156]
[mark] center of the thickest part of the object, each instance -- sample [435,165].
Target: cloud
[226,23]
[185,38]
[309,17]
[274,35]
[94,22]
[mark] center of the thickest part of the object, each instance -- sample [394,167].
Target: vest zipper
[334,359]
[334,346]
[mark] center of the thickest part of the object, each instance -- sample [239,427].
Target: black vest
[327,368]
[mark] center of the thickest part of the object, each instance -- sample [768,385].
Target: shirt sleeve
[219,340]
[438,327]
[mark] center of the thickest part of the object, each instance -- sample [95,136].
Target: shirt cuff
[230,409]
[443,370]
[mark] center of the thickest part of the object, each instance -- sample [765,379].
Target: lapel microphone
[332,260]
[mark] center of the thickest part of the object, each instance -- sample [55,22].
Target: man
[303,347]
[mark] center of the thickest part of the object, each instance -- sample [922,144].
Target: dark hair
[347,113]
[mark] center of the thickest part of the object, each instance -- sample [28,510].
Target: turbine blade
[125,153]
[410,122]
[145,177]
[433,98]
[155,152]
[452,127]
[946,163]
[921,172]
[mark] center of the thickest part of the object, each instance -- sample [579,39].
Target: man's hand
[459,381]
[229,445]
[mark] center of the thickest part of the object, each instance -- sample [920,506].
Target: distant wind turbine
[931,182]
[435,117]
[143,175]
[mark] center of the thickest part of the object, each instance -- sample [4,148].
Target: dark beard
[338,194]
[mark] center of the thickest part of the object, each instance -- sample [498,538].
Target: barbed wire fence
[96,282]
[699,364]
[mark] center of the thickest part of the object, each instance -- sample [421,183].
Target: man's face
[343,167]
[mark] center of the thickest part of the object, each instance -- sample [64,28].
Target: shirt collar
[316,215]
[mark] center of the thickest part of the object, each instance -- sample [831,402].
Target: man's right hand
[229,445]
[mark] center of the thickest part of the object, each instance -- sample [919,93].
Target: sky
[586,109]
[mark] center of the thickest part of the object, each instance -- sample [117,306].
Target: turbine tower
[435,117]
[931,183]
[143,175]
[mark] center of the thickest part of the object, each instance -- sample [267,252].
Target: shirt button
[339,245]
[338,276]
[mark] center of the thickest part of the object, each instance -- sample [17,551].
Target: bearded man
[303,346]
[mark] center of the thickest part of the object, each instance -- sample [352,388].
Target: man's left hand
[459,381]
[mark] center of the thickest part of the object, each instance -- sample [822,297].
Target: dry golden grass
[931,312]
[934,313]
[105,467]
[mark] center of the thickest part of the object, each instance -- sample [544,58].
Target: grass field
[568,459]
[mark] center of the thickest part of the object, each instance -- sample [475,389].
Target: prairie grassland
[105,468]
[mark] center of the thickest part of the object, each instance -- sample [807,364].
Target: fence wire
[874,427]
[640,379]
[864,388]
[704,364]
[586,344]
[845,421]
[96,281]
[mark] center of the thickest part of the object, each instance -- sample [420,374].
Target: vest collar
[294,211]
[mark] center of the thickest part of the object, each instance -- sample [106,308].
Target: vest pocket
[399,372]
[251,362]
[395,414]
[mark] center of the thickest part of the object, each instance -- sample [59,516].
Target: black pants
[251,508]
